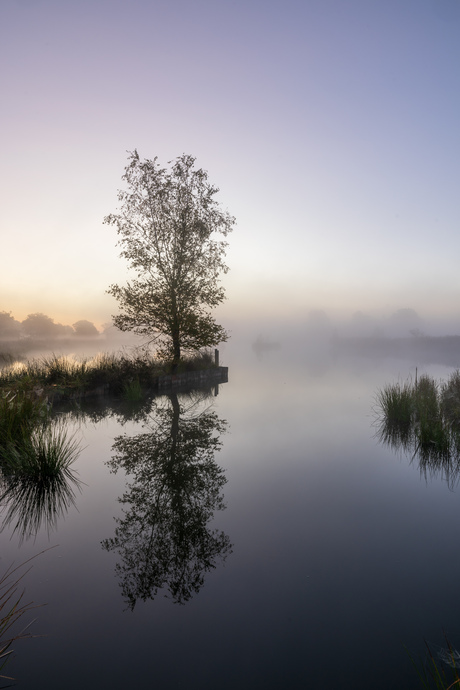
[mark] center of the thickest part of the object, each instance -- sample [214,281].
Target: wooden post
[216,357]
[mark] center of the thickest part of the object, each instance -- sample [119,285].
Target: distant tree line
[42,327]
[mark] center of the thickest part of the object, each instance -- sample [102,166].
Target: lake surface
[331,554]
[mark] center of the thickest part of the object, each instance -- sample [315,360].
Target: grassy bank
[117,373]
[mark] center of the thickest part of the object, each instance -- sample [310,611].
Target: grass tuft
[423,419]
[12,609]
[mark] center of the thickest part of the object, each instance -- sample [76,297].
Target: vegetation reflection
[422,419]
[164,538]
[37,485]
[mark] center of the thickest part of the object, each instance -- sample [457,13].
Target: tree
[167,225]
[39,325]
[85,328]
[9,327]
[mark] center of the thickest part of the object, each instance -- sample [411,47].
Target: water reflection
[164,539]
[37,483]
[32,504]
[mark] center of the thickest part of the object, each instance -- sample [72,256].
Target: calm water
[331,554]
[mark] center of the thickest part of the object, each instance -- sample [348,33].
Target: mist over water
[333,543]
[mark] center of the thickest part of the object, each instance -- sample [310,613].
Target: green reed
[12,609]
[440,671]
[422,418]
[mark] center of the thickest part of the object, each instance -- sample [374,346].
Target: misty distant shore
[427,349]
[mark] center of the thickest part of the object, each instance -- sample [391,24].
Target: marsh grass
[396,402]
[450,400]
[395,410]
[12,609]
[31,503]
[46,452]
[115,371]
[132,391]
[36,454]
[19,415]
[440,672]
[422,418]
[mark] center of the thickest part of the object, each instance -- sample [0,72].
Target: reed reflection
[37,484]
[422,420]
[164,538]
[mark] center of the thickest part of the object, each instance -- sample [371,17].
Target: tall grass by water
[440,670]
[12,609]
[118,372]
[422,418]
[36,454]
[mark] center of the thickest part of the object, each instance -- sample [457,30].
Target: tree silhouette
[168,223]
[9,327]
[85,328]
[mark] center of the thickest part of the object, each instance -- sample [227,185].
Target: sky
[331,128]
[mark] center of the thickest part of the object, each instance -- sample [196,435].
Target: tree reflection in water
[164,539]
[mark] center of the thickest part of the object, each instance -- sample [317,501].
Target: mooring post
[216,357]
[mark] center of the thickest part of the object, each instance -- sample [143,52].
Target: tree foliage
[9,327]
[39,325]
[85,328]
[168,225]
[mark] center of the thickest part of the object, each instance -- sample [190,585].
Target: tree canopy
[40,325]
[168,225]
[85,328]
[9,327]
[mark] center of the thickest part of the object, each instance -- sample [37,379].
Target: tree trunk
[175,334]
[176,351]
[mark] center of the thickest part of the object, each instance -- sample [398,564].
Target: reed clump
[32,444]
[422,418]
